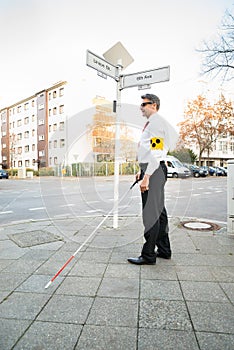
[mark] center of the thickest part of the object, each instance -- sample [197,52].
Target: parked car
[3,174]
[197,171]
[211,170]
[175,168]
[219,171]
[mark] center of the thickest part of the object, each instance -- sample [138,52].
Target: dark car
[211,170]
[219,171]
[3,174]
[197,172]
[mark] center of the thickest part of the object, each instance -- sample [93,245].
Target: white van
[175,168]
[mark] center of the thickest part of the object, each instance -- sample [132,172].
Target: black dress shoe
[141,261]
[163,256]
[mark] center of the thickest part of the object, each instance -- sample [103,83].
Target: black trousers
[154,215]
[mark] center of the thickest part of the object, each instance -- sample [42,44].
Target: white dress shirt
[154,143]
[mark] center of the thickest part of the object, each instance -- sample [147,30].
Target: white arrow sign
[146,78]
[100,65]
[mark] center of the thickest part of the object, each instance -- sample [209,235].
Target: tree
[204,123]
[185,155]
[219,54]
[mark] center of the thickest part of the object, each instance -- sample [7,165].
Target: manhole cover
[197,225]
[200,226]
[31,238]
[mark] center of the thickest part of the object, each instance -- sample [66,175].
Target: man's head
[150,104]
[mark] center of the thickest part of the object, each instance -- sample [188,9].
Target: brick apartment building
[33,130]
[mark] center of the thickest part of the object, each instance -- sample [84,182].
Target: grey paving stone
[158,272]
[23,305]
[114,312]
[52,336]
[119,288]
[212,341]
[223,274]
[190,259]
[219,260]
[194,273]
[9,250]
[111,338]
[37,283]
[37,254]
[120,257]
[23,266]
[5,263]
[212,317]
[10,281]
[67,309]
[52,266]
[162,290]
[203,291]
[10,331]
[97,256]
[83,286]
[122,271]
[166,339]
[87,269]
[164,314]
[229,290]
[4,295]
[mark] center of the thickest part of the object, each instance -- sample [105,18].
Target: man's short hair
[153,98]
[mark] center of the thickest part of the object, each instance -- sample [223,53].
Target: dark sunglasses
[146,103]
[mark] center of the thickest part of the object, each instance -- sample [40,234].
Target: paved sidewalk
[100,301]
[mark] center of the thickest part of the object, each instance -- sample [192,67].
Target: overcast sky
[45,41]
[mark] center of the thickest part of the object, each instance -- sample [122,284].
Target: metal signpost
[118,59]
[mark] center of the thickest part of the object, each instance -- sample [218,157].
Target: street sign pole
[117,148]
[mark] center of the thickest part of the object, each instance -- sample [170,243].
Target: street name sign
[146,78]
[101,65]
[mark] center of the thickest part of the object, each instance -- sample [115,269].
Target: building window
[61,126]
[20,163]
[33,103]
[26,148]
[41,153]
[41,106]
[18,109]
[54,94]
[33,118]
[26,134]
[61,109]
[27,163]
[55,160]
[19,136]
[19,122]
[26,120]
[33,147]
[54,127]
[33,132]
[26,106]
[49,112]
[50,144]
[54,110]
[50,128]
[50,161]
[41,137]
[41,122]
[55,143]
[4,133]
[3,145]
[19,150]
[62,143]
[61,92]
[49,95]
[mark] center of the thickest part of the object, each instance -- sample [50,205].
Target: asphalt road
[43,198]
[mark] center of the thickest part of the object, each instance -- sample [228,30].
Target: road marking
[67,205]
[92,202]
[6,212]
[93,211]
[40,208]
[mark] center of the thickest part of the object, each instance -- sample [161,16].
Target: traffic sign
[101,65]
[145,78]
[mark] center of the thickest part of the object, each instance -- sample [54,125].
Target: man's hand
[144,186]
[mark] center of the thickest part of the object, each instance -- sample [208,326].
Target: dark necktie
[145,125]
